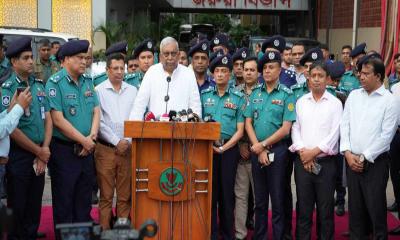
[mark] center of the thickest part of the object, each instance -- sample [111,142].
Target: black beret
[219,39]
[74,47]
[312,55]
[277,42]
[201,46]
[59,55]
[241,54]
[336,69]
[269,56]
[19,45]
[119,47]
[365,58]
[221,61]
[146,45]
[218,53]
[359,49]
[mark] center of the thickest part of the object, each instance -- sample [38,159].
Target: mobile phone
[316,169]
[271,156]
[20,90]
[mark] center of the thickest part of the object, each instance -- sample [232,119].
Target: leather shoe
[340,210]
[95,199]
[40,235]
[345,234]
[392,208]
[395,231]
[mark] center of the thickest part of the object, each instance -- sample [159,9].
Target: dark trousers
[270,181]
[367,200]
[24,195]
[340,189]
[223,196]
[314,190]
[395,168]
[71,184]
[289,196]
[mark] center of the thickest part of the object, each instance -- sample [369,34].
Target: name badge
[258,100]
[88,93]
[42,112]
[230,105]
[277,102]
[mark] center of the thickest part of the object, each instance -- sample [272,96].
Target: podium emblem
[171,181]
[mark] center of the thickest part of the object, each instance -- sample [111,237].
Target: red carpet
[341,223]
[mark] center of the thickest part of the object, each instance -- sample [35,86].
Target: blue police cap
[277,42]
[146,45]
[218,53]
[269,56]
[74,47]
[365,58]
[201,46]
[59,55]
[336,69]
[359,49]
[19,45]
[219,39]
[221,61]
[241,54]
[312,55]
[119,47]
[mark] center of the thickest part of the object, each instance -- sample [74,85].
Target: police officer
[4,63]
[44,67]
[76,118]
[200,61]
[269,118]
[29,142]
[224,105]
[119,47]
[237,59]
[220,41]
[278,43]
[350,81]
[144,53]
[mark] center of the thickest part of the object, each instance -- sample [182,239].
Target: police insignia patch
[52,92]
[5,100]
[216,41]
[276,43]
[271,55]
[314,56]
[204,46]
[244,55]
[149,45]
[72,111]
[224,60]
[290,107]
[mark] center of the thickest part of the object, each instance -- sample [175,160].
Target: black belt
[325,158]
[64,142]
[106,143]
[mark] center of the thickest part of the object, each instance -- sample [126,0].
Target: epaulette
[7,84]
[209,89]
[330,87]
[39,80]
[55,78]
[6,75]
[297,86]
[349,72]
[131,76]
[290,73]
[285,89]
[236,92]
[258,86]
[99,75]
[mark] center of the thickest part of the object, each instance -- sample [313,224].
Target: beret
[277,42]
[241,54]
[359,49]
[146,45]
[19,45]
[312,55]
[201,46]
[269,56]
[336,69]
[74,47]
[365,58]
[119,47]
[221,61]
[219,39]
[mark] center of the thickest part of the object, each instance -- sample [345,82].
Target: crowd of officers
[280,108]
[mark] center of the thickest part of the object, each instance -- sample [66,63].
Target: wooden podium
[172,177]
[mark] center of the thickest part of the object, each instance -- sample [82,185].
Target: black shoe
[95,199]
[392,208]
[40,235]
[345,234]
[250,224]
[395,231]
[340,210]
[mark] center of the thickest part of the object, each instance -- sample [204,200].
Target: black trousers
[314,190]
[71,184]
[269,182]
[223,196]
[340,189]
[367,200]
[395,168]
[289,196]
[25,191]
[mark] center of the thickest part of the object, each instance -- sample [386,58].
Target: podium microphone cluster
[166,98]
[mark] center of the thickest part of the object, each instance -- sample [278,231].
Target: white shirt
[317,124]
[183,92]
[115,108]
[369,123]
[8,123]
[396,92]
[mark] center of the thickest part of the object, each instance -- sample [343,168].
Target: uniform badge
[204,46]
[314,55]
[224,60]
[255,115]
[244,55]
[72,111]
[290,107]
[276,42]
[276,102]
[52,92]
[271,55]
[88,93]
[216,41]
[5,100]
[149,45]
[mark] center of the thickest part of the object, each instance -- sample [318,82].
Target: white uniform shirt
[369,123]
[317,124]
[115,109]
[183,92]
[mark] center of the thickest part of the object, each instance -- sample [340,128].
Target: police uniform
[203,47]
[45,70]
[119,47]
[25,189]
[240,54]
[219,40]
[135,79]
[227,110]
[71,175]
[268,111]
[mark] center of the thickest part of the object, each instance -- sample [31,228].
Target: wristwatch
[221,149]
[264,144]
[362,158]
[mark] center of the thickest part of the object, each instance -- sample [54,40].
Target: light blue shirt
[8,122]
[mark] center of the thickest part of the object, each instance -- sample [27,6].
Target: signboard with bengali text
[298,5]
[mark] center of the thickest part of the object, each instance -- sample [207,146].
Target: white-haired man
[167,85]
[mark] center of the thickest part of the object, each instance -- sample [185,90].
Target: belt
[63,142]
[3,160]
[324,158]
[106,143]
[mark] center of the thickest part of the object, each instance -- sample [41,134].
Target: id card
[42,112]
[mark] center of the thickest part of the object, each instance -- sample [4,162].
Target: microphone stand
[166,98]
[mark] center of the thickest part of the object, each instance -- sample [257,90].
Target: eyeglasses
[133,65]
[173,54]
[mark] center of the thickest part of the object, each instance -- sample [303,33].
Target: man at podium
[167,85]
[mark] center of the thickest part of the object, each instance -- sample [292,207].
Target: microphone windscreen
[149,116]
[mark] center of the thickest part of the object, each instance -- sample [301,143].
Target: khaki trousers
[113,172]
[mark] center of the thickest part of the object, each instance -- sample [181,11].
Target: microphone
[196,118]
[172,116]
[190,115]
[184,116]
[178,117]
[166,98]
[164,117]
[208,118]
[149,116]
